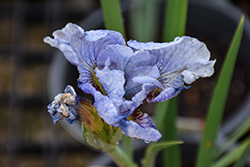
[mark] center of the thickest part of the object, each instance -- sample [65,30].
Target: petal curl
[141,127]
[140,67]
[182,61]
[118,56]
[82,48]
[113,83]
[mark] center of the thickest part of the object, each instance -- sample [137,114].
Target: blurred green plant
[207,148]
[165,116]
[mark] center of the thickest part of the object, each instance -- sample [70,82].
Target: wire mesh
[27,134]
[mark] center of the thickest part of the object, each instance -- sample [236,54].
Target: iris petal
[82,48]
[118,56]
[182,61]
[113,83]
[141,127]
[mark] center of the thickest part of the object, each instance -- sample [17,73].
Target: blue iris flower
[122,77]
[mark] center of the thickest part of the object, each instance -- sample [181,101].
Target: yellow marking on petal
[96,84]
[154,93]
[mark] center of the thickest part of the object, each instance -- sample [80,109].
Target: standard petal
[82,48]
[118,55]
[141,127]
[182,61]
[141,68]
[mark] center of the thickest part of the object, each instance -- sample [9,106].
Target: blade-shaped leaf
[161,111]
[175,19]
[154,149]
[175,25]
[127,146]
[112,15]
[243,157]
[143,18]
[234,137]
[232,156]
[170,134]
[207,147]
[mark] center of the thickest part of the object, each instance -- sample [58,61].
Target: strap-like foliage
[207,147]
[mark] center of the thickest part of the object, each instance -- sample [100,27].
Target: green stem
[172,153]
[127,146]
[120,158]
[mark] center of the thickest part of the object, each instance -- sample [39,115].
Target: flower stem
[120,158]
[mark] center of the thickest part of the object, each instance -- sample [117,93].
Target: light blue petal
[182,61]
[167,94]
[106,109]
[64,40]
[141,58]
[139,76]
[82,48]
[142,65]
[112,82]
[95,42]
[140,127]
[118,55]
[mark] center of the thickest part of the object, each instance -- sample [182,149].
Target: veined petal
[82,48]
[118,56]
[182,61]
[141,66]
[106,109]
[141,127]
[112,82]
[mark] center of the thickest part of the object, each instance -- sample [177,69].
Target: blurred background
[28,137]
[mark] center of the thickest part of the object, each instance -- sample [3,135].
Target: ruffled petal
[118,56]
[82,48]
[182,61]
[112,82]
[141,66]
[65,40]
[140,127]
[107,110]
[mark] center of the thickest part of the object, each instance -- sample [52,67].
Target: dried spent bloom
[74,108]
[122,77]
[65,106]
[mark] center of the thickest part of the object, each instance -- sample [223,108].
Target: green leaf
[120,158]
[175,19]
[143,18]
[112,15]
[161,112]
[154,149]
[239,133]
[127,146]
[234,155]
[175,24]
[243,157]
[207,147]
[170,134]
